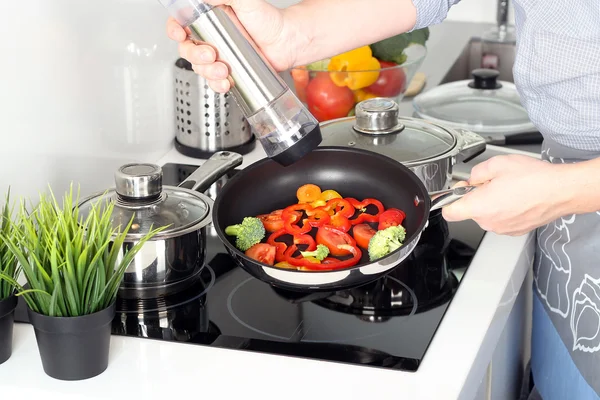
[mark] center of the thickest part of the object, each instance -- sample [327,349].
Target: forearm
[335,26]
[582,187]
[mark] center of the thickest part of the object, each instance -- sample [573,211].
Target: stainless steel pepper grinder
[284,127]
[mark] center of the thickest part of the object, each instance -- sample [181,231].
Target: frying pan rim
[414,236]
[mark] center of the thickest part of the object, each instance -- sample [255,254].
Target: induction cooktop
[385,324]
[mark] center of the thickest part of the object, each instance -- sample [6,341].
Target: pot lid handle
[484,78]
[139,181]
[377,116]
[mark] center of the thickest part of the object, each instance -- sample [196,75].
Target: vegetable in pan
[320,253]
[250,232]
[323,231]
[386,241]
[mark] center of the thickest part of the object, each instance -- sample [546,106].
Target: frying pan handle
[211,170]
[442,198]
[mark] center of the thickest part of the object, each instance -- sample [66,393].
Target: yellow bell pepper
[318,203]
[330,194]
[362,95]
[355,69]
[285,264]
[325,197]
[312,260]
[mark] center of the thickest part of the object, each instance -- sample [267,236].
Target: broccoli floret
[419,36]
[386,241]
[320,253]
[392,49]
[250,232]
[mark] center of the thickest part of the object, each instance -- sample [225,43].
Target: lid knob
[484,78]
[138,181]
[377,116]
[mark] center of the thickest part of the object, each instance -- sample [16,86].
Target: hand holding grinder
[284,127]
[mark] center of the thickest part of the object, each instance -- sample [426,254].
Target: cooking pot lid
[139,193]
[377,127]
[482,105]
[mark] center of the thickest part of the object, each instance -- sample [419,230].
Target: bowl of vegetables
[331,88]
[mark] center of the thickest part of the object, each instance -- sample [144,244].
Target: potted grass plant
[73,269]
[10,268]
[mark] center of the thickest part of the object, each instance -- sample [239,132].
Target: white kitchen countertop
[453,367]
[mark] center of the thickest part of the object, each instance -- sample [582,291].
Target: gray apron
[567,287]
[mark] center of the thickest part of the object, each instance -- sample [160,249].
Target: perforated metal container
[206,121]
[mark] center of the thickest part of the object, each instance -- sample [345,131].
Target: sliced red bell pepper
[331,263]
[298,261]
[356,256]
[290,217]
[317,218]
[306,240]
[339,207]
[280,246]
[290,251]
[338,210]
[362,206]
[340,222]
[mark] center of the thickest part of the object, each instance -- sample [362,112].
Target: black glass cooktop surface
[387,324]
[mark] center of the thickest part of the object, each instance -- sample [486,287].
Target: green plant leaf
[82,263]
[70,281]
[73,263]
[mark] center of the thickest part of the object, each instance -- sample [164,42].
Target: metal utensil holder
[206,121]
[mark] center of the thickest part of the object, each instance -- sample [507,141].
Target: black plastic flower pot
[73,348]
[7,319]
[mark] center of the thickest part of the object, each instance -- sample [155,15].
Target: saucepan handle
[443,198]
[212,170]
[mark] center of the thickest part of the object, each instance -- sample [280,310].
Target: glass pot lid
[377,127]
[139,194]
[482,105]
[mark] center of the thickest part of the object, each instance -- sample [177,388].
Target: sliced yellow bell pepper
[318,203]
[362,95]
[330,194]
[285,264]
[355,69]
[312,260]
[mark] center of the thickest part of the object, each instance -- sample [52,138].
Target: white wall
[85,86]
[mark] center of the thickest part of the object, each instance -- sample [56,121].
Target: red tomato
[391,217]
[326,100]
[362,234]
[273,222]
[262,252]
[332,238]
[300,77]
[391,82]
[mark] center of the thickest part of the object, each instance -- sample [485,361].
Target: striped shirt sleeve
[431,12]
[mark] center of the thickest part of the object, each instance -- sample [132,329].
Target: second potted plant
[73,269]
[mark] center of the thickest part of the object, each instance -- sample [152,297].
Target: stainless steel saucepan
[174,258]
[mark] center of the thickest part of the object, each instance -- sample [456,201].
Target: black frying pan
[266,186]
